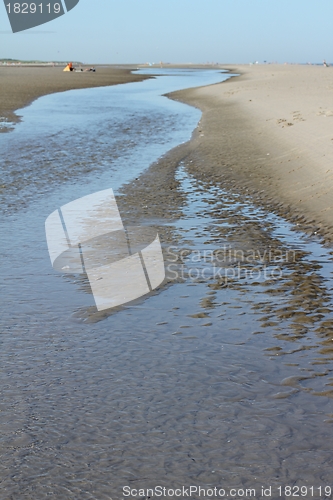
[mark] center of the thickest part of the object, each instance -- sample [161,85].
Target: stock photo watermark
[122,264]
[226,264]
[267,491]
[25,15]
[88,236]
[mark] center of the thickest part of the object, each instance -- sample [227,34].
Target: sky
[179,31]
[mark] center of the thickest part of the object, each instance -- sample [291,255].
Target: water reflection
[207,382]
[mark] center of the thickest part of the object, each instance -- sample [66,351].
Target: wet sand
[20,85]
[269,133]
[202,384]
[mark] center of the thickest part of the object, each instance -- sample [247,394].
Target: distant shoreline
[22,84]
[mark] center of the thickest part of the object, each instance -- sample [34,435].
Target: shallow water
[222,379]
[73,143]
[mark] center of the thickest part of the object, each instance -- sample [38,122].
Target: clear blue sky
[126,31]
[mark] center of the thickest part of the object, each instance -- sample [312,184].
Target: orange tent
[69,67]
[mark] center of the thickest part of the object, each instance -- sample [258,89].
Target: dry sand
[270,132]
[20,85]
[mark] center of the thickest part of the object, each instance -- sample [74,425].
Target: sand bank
[20,85]
[267,132]
[270,132]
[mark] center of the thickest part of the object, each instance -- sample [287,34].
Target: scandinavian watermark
[226,264]
[87,235]
[124,263]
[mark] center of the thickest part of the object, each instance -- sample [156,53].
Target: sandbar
[269,133]
[20,85]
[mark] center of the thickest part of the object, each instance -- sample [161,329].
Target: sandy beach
[222,374]
[269,132]
[20,85]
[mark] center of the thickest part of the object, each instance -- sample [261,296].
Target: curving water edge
[222,379]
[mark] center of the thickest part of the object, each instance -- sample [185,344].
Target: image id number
[33,8]
[303,491]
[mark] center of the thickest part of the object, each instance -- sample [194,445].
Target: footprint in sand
[325,112]
[297,117]
[283,122]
